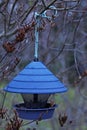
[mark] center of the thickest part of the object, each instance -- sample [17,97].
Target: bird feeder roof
[35,78]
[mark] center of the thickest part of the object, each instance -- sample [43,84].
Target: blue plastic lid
[35,78]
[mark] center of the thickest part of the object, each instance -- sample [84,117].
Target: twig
[61,9]
[3,57]
[56,55]
[3,100]
[56,49]
[76,64]
[5,26]
[47,7]
[43,3]
[9,33]
[12,9]
[5,23]
[75,31]
[26,13]
[65,17]
[4,3]
[67,69]
[27,123]
[69,8]
[74,37]
[61,50]
[83,96]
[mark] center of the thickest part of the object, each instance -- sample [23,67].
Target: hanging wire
[36,36]
[37,18]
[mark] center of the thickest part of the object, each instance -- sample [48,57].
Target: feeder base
[34,114]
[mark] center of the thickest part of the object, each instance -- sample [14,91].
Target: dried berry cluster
[10,46]
[14,123]
[62,119]
[2,113]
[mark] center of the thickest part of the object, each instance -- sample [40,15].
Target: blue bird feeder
[36,84]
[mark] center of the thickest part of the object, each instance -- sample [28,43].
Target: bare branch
[4,4]
[76,64]
[56,55]
[27,12]
[47,7]
[12,9]
[43,3]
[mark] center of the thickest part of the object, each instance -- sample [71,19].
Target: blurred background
[62,48]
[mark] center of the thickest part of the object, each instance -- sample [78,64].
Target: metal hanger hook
[37,18]
[44,14]
[55,10]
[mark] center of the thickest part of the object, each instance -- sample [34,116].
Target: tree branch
[27,12]
[12,9]
[43,3]
[47,7]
